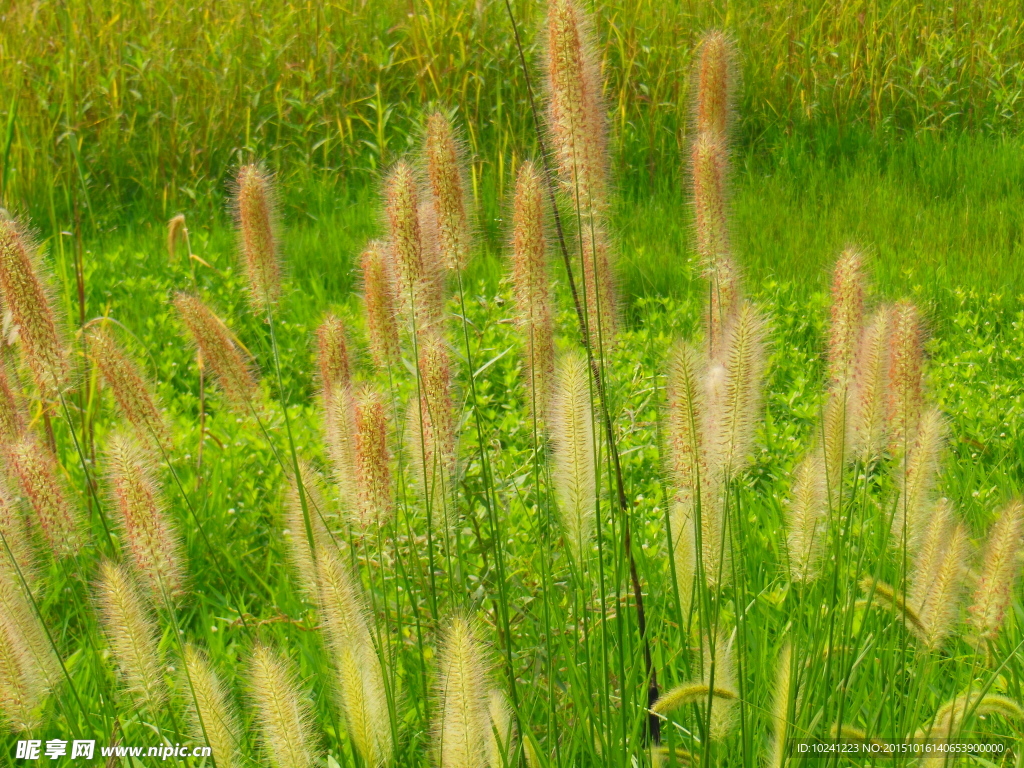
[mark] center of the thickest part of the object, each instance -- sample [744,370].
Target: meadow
[318,460]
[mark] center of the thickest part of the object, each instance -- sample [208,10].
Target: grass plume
[531,286]
[283,714]
[38,474]
[218,351]
[1000,569]
[867,425]
[211,712]
[379,305]
[132,390]
[26,297]
[150,535]
[807,518]
[359,668]
[573,452]
[133,636]
[447,197]
[372,459]
[846,316]
[462,716]
[256,215]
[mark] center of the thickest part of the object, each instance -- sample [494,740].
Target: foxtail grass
[218,351]
[573,454]
[38,476]
[447,195]
[577,126]
[133,392]
[360,672]
[531,287]
[283,715]
[1000,570]
[937,578]
[27,298]
[906,374]
[374,486]
[133,636]
[867,428]
[463,720]
[211,712]
[149,534]
[847,316]
[379,305]
[256,216]
[807,518]
[12,416]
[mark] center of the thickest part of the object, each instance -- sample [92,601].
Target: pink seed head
[218,350]
[379,305]
[26,297]
[446,192]
[257,223]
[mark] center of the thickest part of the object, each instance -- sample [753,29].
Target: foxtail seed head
[1000,569]
[25,296]
[332,354]
[784,685]
[283,713]
[372,455]
[709,167]
[576,116]
[404,233]
[16,552]
[360,673]
[720,674]
[446,191]
[12,419]
[572,452]
[211,713]
[379,305]
[684,554]
[847,316]
[433,439]
[531,286]
[256,213]
[686,417]
[462,719]
[302,557]
[906,363]
[867,426]
[27,666]
[917,479]
[937,578]
[807,517]
[218,351]
[37,473]
[714,84]
[151,537]
[735,390]
[133,636]
[576,120]
[501,738]
[132,391]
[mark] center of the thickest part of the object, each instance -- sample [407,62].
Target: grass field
[878,643]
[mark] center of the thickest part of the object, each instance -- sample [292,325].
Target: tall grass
[162,107]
